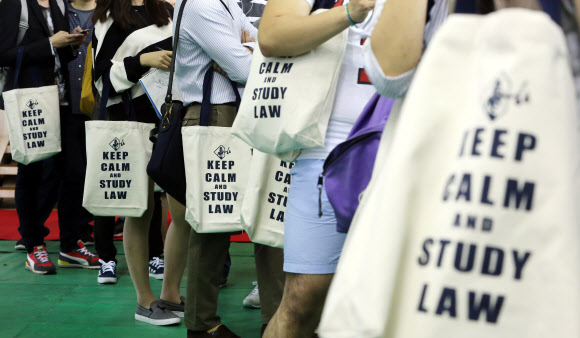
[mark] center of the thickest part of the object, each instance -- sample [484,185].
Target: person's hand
[62,39]
[247,38]
[82,36]
[359,9]
[160,59]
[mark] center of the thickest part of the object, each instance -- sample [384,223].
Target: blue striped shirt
[209,33]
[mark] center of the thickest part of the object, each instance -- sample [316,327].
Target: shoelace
[107,266]
[158,262]
[86,252]
[42,256]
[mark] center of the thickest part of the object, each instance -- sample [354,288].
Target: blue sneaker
[108,273]
[156,268]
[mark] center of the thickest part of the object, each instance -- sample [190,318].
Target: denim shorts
[311,243]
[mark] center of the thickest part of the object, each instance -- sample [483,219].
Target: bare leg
[176,244]
[136,244]
[301,307]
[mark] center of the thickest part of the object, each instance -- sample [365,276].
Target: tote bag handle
[19,58]
[206,101]
[127,105]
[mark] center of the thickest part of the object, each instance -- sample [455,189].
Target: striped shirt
[209,33]
[118,51]
[253,9]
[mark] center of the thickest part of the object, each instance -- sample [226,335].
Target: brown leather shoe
[221,332]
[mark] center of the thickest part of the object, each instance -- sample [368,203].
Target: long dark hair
[122,13]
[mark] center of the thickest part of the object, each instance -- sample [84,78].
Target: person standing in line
[210,34]
[312,247]
[130,38]
[47,49]
[253,10]
[80,13]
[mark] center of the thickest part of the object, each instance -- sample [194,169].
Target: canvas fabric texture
[216,174]
[471,213]
[116,183]
[266,196]
[274,116]
[33,120]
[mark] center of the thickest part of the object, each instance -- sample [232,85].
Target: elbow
[267,46]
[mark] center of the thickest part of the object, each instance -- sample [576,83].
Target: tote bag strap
[169,96]
[126,96]
[206,101]
[19,58]
[104,96]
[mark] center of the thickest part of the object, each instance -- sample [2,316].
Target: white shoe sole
[64,264]
[107,280]
[159,322]
[178,313]
[159,276]
[251,306]
[35,271]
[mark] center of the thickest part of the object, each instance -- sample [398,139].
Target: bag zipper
[320,181]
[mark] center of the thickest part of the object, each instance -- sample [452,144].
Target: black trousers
[59,179]
[105,229]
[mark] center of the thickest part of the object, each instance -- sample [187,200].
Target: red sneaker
[39,263]
[79,258]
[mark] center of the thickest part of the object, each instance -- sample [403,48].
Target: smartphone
[84,31]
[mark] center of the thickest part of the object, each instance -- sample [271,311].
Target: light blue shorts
[311,243]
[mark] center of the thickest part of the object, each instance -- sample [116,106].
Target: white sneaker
[252,301]
[156,268]
[108,273]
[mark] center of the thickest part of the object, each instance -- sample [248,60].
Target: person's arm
[288,29]
[402,24]
[34,52]
[212,30]
[391,66]
[123,74]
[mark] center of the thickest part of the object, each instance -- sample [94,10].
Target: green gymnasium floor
[72,303]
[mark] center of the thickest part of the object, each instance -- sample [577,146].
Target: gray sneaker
[156,315]
[177,309]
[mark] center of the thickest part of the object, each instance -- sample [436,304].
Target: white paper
[155,83]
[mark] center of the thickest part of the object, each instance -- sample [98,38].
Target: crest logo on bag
[31,104]
[499,95]
[33,120]
[221,152]
[116,144]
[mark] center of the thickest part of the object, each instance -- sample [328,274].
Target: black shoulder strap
[227,9]
[169,96]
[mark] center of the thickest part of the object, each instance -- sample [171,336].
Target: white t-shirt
[353,91]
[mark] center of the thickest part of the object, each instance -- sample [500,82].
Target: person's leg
[176,244]
[26,196]
[104,231]
[301,307]
[136,244]
[155,238]
[206,258]
[269,262]
[72,166]
[312,248]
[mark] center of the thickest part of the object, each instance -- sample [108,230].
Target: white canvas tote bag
[264,206]
[33,119]
[116,182]
[287,102]
[217,166]
[470,225]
